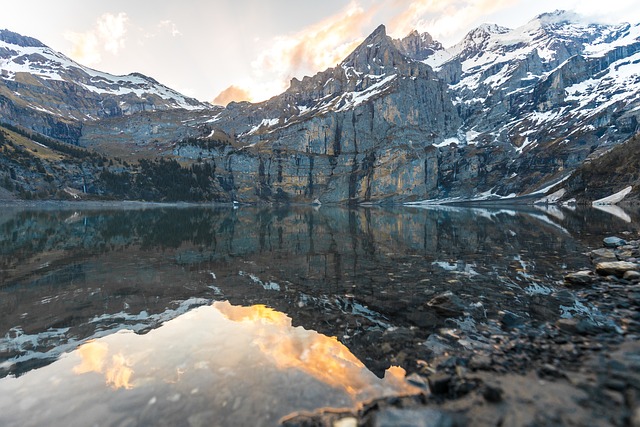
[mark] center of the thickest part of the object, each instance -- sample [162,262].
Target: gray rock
[579,278]
[613,242]
[631,275]
[616,268]
[604,254]
[447,305]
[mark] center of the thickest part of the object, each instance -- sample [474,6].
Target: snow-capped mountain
[503,113]
[555,72]
[37,81]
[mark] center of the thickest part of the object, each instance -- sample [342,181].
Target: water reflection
[363,276]
[216,365]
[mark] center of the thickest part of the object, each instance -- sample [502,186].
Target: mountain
[503,113]
[47,92]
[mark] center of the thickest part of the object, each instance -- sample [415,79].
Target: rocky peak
[19,40]
[478,36]
[418,46]
[555,18]
[375,54]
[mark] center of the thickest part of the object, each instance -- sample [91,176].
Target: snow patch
[614,198]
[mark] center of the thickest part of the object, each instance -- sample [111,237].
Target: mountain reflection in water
[366,276]
[215,365]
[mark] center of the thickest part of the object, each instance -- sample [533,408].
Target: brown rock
[616,268]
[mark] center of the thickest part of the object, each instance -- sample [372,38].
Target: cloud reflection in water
[223,363]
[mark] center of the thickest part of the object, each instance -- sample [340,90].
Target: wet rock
[601,255]
[447,305]
[613,242]
[393,417]
[510,320]
[480,361]
[437,345]
[631,275]
[492,394]
[616,268]
[439,383]
[418,381]
[568,325]
[579,278]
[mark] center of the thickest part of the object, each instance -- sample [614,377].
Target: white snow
[614,198]
[48,64]
[614,210]
[447,142]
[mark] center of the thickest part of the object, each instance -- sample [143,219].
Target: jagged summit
[418,46]
[557,17]
[479,35]
[375,51]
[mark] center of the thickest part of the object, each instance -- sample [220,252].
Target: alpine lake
[196,315]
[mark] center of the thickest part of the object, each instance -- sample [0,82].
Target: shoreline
[577,371]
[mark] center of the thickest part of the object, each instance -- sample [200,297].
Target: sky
[224,50]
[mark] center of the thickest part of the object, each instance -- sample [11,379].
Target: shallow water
[70,279]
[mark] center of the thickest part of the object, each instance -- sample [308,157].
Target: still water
[205,316]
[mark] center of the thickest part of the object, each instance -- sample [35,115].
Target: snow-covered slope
[544,81]
[36,77]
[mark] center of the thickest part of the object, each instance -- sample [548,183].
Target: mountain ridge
[504,112]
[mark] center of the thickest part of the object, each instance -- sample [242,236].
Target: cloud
[315,48]
[326,43]
[232,93]
[443,18]
[170,27]
[108,35]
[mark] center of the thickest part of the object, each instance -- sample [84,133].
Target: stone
[568,325]
[616,268]
[439,383]
[631,275]
[510,321]
[613,242]
[579,278]
[447,305]
[604,254]
[492,394]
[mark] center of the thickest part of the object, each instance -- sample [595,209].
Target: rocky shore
[580,370]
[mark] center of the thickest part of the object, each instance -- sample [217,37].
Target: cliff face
[502,113]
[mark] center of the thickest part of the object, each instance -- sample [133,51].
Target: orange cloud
[107,35]
[232,93]
[314,49]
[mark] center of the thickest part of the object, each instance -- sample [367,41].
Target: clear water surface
[206,316]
